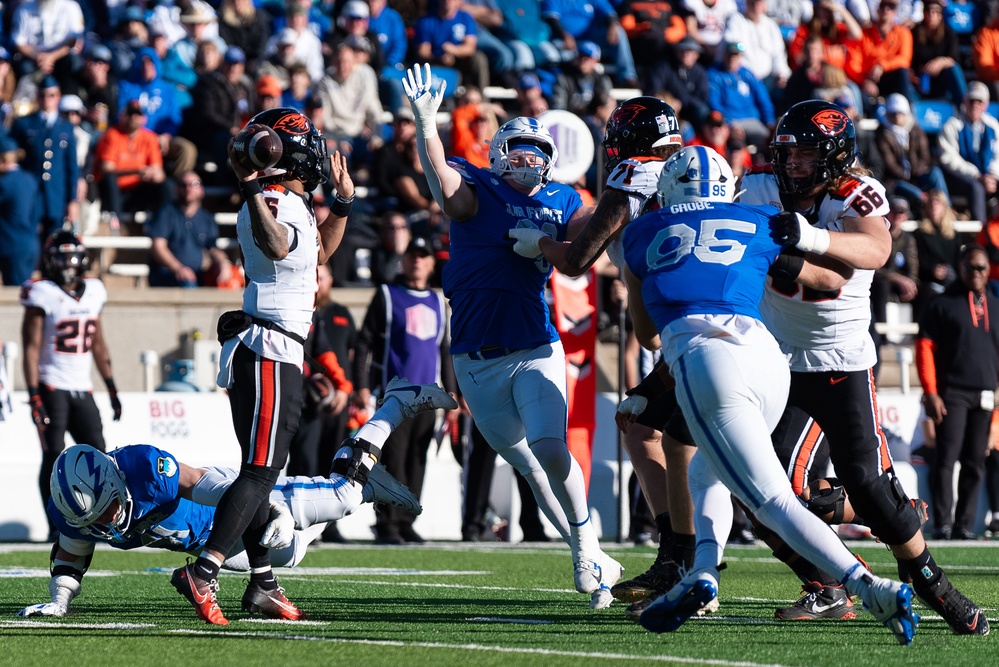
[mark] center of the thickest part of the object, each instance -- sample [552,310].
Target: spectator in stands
[653,27]
[715,133]
[223,102]
[390,33]
[449,38]
[580,80]
[898,280]
[173,69]
[200,25]
[988,238]
[841,35]
[299,88]
[129,164]
[766,55]
[398,171]
[789,15]
[242,24]
[909,170]
[686,81]
[985,51]
[269,93]
[158,99]
[319,15]
[810,75]
[208,59]
[44,35]
[741,97]
[95,85]
[355,19]
[184,236]
[281,57]
[19,243]
[572,21]
[969,152]
[530,96]
[49,146]
[886,49]
[936,56]
[473,123]
[938,246]
[296,43]
[131,34]
[706,21]
[71,108]
[505,59]
[349,94]
[8,84]
[522,24]
[597,115]
[386,258]
[957,357]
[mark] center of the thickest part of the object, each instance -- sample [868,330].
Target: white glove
[63,589]
[527,240]
[811,239]
[633,405]
[281,530]
[423,99]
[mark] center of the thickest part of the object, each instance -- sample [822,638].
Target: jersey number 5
[75,336]
[703,243]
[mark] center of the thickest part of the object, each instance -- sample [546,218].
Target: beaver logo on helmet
[627,112]
[830,121]
[293,123]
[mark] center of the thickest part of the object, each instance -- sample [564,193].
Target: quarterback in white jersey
[833,209]
[262,351]
[62,338]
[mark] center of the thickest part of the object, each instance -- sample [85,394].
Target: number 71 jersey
[68,334]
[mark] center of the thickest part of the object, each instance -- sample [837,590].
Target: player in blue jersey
[142,496]
[507,355]
[696,271]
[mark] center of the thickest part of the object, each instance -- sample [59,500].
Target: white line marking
[521,621]
[76,626]
[277,621]
[670,659]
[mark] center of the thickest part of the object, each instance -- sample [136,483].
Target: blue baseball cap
[8,145]
[234,54]
[589,50]
[529,80]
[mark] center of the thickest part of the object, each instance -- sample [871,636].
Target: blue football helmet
[85,482]
[522,131]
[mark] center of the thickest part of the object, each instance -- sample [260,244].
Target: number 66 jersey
[70,323]
[819,330]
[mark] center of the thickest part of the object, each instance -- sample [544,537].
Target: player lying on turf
[142,496]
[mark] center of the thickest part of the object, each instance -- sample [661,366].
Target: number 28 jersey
[823,331]
[70,323]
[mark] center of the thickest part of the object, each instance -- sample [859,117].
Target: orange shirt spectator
[128,153]
[886,47]
[985,52]
[841,37]
[470,135]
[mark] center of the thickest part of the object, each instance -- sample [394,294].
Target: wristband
[340,208]
[33,391]
[788,265]
[250,188]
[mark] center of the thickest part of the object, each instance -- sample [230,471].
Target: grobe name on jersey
[690,206]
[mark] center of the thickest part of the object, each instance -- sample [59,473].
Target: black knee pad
[886,509]
[822,502]
[352,468]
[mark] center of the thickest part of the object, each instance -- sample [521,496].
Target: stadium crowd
[108,105]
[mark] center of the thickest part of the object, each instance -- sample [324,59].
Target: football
[256,147]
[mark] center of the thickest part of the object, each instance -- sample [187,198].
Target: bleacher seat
[932,114]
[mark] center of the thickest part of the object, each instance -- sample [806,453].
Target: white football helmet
[522,130]
[696,174]
[84,483]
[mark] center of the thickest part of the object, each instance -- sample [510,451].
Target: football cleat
[668,612]
[200,593]
[891,603]
[417,398]
[382,487]
[660,577]
[590,573]
[270,603]
[819,602]
[962,615]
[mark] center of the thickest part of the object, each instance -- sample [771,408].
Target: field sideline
[456,604]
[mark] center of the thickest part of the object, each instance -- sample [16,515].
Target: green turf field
[454,604]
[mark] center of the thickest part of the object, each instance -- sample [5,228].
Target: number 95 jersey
[65,360]
[818,330]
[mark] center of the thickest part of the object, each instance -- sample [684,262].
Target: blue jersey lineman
[696,270]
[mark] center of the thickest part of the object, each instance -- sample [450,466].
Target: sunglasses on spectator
[977,267]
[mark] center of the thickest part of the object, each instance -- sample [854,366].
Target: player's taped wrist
[247,189]
[651,386]
[812,238]
[33,392]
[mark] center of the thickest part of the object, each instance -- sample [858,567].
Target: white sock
[569,489]
[712,513]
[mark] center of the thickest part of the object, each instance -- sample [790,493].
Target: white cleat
[382,487]
[417,398]
[891,603]
[590,574]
